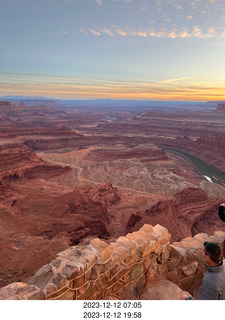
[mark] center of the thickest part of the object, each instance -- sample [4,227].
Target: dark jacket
[213,284]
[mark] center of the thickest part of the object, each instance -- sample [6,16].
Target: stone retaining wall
[118,270]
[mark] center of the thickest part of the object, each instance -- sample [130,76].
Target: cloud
[184,33]
[197,32]
[222,35]
[175,4]
[194,4]
[138,33]
[173,80]
[162,33]
[64,87]
[54,34]
[152,32]
[173,34]
[96,33]
[99,2]
[83,31]
[142,33]
[158,2]
[108,32]
[211,31]
[119,31]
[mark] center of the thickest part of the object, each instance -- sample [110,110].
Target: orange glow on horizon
[123,91]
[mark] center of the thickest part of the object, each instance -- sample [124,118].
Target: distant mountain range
[24,98]
[112,104]
[108,101]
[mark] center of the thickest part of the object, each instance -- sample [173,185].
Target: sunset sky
[119,49]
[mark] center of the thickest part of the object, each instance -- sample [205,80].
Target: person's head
[212,252]
[222,211]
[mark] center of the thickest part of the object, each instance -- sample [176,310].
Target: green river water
[212,174]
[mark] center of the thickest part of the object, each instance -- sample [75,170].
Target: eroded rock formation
[106,194]
[188,213]
[20,163]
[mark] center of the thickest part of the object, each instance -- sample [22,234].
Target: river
[209,172]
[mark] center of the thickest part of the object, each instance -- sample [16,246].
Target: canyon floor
[70,173]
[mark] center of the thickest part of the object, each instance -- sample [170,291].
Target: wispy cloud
[183,33]
[126,1]
[175,80]
[54,34]
[119,31]
[96,33]
[197,32]
[173,34]
[63,87]
[108,32]
[222,35]
[83,31]
[138,33]
[99,2]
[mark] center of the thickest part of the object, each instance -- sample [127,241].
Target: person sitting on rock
[213,284]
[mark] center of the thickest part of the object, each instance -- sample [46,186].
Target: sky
[116,49]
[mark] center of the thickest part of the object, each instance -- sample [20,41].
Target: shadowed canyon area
[71,171]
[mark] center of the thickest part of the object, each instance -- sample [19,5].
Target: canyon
[69,174]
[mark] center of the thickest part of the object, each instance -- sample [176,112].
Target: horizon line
[109,99]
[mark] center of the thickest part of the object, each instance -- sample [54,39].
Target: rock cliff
[188,213]
[19,163]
